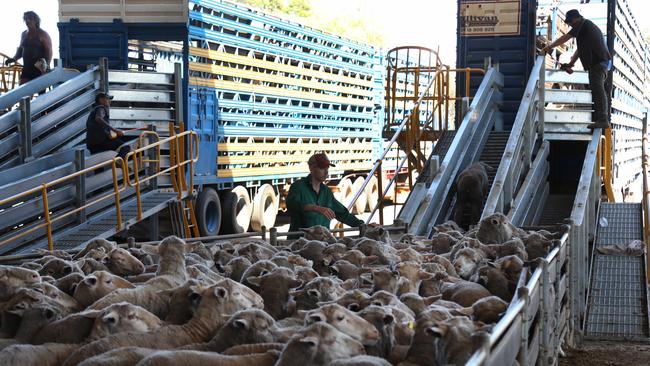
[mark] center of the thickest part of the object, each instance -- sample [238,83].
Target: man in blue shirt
[595,59]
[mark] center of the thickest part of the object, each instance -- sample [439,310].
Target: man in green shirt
[310,202]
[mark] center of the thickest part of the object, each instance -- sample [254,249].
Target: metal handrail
[177,163]
[376,169]
[42,189]
[521,141]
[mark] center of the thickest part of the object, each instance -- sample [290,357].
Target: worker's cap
[572,14]
[103,95]
[320,160]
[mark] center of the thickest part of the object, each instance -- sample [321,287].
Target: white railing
[526,130]
[547,310]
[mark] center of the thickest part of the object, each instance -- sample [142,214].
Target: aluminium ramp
[617,306]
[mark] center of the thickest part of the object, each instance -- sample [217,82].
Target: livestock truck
[262,93]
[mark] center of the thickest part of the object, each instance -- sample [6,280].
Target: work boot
[603,125]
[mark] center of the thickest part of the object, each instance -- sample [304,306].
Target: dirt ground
[608,354]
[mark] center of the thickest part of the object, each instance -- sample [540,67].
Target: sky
[429,23]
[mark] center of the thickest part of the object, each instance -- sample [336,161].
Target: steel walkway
[103,225]
[618,304]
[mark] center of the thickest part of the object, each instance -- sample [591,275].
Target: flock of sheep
[314,301]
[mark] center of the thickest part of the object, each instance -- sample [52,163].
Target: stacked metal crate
[284,91]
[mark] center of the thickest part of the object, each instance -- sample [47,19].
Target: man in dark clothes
[98,129]
[310,202]
[595,59]
[35,44]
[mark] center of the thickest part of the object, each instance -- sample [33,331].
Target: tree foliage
[352,26]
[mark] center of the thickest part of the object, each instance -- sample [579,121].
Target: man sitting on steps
[595,59]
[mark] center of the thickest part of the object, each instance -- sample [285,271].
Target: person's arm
[574,58]
[47,44]
[99,118]
[558,42]
[19,51]
[343,215]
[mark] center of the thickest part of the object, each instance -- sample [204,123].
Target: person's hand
[373,224]
[546,50]
[120,133]
[10,60]
[327,212]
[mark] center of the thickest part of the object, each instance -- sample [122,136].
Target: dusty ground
[608,354]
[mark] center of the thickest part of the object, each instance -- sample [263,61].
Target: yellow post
[137,187]
[116,192]
[46,216]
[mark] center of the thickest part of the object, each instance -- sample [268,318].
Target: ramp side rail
[527,129]
[24,130]
[552,302]
[56,76]
[645,200]
[76,180]
[429,201]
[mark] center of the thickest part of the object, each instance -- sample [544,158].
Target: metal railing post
[103,74]
[46,217]
[116,192]
[522,356]
[178,93]
[541,101]
[80,183]
[545,316]
[25,130]
[380,193]
[273,234]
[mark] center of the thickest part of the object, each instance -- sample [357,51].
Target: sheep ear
[353,306]
[491,264]
[294,283]
[469,311]
[301,313]
[371,259]
[296,293]
[314,318]
[307,230]
[424,275]
[431,299]
[313,293]
[435,331]
[255,280]
[241,323]
[220,292]
[122,283]
[151,249]
[311,341]
[49,313]
[91,314]
[187,248]
[389,319]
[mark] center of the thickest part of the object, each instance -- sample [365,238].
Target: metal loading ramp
[617,307]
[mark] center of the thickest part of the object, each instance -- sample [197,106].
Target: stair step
[567,96]
[559,76]
[567,116]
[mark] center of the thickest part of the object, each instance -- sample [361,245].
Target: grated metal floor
[103,225]
[618,306]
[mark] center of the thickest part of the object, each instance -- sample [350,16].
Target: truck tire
[361,202]
[344,195]
[372,193]
[265,208]
[208,212]
[237,209]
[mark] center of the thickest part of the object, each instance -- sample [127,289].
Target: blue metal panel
[82,44]
[514,55]
[203,119]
